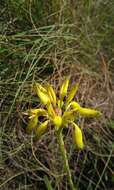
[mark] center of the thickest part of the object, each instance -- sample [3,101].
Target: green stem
[65,159]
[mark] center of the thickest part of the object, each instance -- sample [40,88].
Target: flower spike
[58,111]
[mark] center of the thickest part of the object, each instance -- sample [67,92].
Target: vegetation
[44,41]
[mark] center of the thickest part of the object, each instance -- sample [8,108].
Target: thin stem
[65,159]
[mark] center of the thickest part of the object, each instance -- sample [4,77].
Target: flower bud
[51,94]
[41,129]
[77,137]
[74,105]
[72,93]
[35,111]
[89,112]
[60,103]
[42,93]
[64,88]
[50,110]
[43,97]
[38,86]
[57,121]
[69,115]
[32,124]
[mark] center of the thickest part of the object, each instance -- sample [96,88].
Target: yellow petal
[77,137]
[32,124]
[57,121]
[35,111]
[84,111]
[72,93]
[38,86]
[43,97]
[68,116]
[42,93]
[60,103]
[50,110]
[51,94]
[89,112]
[74,105]
[64,88]
[41,129]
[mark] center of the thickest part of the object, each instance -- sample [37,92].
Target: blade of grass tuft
[47,183]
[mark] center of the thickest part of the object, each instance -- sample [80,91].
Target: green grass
[44,41]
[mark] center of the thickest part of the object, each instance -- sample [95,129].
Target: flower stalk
[65,158]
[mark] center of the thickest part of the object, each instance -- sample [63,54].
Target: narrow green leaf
[47,183]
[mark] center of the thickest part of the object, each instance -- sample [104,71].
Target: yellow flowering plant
[60,112]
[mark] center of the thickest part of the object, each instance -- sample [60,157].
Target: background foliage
[45,41]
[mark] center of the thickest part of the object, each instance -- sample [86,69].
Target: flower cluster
[60,112]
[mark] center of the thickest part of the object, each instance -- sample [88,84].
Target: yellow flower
[72,93]
[52,95]
[77,136]
[64,88]
[58,111]
[60,103]
[57,120]
[74,105]
[32,124]
[89,112]
[40,130]
[36,111]
[50,110]
[69,115]
[38,86]
[42,94]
